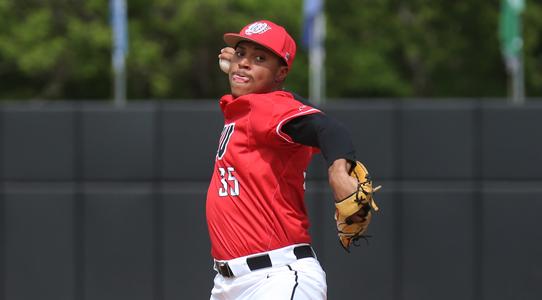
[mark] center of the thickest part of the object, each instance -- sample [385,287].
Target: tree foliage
[60,49]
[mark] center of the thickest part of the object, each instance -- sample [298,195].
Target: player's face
[254,69]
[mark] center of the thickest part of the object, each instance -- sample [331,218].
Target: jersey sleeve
[323,132]
[269,116]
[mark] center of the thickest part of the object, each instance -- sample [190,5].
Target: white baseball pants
[289,279]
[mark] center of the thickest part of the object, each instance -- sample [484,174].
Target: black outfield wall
[101,203]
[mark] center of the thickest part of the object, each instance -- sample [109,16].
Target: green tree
[54,50]
[415,48]
[174,45]
[60,49]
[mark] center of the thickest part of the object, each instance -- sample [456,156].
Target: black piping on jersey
[296,282]
[323,132]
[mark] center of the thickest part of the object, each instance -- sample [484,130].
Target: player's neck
[279,87]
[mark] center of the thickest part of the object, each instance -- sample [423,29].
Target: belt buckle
[223,268]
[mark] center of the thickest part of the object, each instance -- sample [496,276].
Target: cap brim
[232,39]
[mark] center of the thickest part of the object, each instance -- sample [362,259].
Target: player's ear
[281,74]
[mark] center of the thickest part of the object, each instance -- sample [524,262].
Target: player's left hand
[341,183]
[344,185]
[354,212]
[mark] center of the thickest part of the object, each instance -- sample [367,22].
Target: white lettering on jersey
[224,140]
[234,189]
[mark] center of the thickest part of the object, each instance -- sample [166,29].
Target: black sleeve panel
[321,131]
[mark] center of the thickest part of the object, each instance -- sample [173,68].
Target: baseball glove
[360,203]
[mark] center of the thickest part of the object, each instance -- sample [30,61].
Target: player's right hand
[226,53]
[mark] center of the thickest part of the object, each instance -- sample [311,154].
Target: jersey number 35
[230,185]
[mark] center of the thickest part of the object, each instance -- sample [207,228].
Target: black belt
[262,261]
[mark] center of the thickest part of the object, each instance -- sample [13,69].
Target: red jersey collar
[225,100]
[228,98]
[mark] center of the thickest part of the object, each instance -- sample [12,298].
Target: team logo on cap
[257,28]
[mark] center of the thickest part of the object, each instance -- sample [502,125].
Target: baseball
[224,65]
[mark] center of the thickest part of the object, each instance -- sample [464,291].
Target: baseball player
[255,208]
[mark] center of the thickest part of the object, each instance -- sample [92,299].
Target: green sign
[510,27]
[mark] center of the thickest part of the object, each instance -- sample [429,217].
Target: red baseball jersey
[255,201]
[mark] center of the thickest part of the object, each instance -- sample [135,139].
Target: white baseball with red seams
[224,65]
